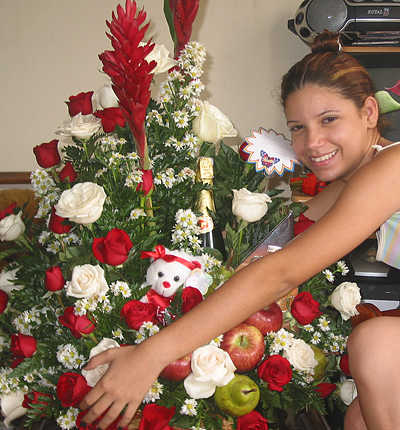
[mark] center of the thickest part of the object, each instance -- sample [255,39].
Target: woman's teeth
[324,157]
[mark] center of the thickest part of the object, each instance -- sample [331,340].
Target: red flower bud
[3,301]
[135,313]
[344,364]
[71,389]
[9,210]
[324,389]
[243,154]
[276,371]
[81,103]
[47,154]
[58,224]
[68,172]
[252,421]
[302,224]
[147,184]
[110,118]
[54,280]
[191,297]
[37,399]
[156,417]
[305,309]
[114,248]
[23,345]
[78,324]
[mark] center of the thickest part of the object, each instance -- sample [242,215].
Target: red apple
[267,319]
[178,369]
[245,345]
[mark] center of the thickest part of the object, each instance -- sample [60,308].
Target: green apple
[322,360]
[238,397]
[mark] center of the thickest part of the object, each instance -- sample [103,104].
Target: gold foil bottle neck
[205,170]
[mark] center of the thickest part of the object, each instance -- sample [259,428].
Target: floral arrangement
[114,207]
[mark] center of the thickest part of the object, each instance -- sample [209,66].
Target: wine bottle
[211,234]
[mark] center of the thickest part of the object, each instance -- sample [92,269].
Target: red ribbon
[159,252]
[158,300]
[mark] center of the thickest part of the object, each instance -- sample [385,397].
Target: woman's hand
[129,377]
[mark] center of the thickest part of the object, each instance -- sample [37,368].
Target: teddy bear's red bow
[160,252]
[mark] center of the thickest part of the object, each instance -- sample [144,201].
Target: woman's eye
[330,119]
[296,128]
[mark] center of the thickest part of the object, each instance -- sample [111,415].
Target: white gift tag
[199,280]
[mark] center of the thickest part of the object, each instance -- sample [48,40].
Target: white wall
[49,51]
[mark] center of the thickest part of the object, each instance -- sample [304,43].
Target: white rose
[80,126]
[11,227]
[83,203]
[348,391]
[301,356]
[86,281]
[6,281]
[212,367]
[345,298]
[161,56]
[211,125]
[11,407]
[249,206]
[106,97]
[93,376]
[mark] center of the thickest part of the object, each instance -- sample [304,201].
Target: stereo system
[378,21]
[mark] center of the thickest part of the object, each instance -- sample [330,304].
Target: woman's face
[329,133]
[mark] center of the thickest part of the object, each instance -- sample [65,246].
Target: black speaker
[351,17]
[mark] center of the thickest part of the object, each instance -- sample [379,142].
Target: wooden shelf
[375,56]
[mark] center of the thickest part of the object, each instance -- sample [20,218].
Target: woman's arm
[367,200]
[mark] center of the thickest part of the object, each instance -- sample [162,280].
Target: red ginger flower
[184,13]
[129,71]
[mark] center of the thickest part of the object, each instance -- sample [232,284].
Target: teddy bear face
[165,278]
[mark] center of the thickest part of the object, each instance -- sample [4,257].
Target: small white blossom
[154,393]
[217,341]
[68,420]
[120,288]
[323,323]
[342,267]
[329,275]
[189,407]
[137,213]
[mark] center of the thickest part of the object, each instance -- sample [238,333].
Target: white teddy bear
[168,271]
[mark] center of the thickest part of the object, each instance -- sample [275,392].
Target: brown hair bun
[326,42]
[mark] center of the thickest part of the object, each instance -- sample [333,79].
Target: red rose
[68,172]
[114,248]
[305,309]
[58,224]
[302,224]
[243,154]
[110,118]
[276,371]
[9,210]
[95,424]
[81,103]
[54,280]
[147,184]
[324,389]
[344,364]
[3,301]
[36,398]
[23,345]
[47,154]
[252,421]
[71,389]
[191,297]
[135,313]
[156,417]
[78,324]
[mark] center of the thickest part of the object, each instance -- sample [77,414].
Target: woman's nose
[314,139]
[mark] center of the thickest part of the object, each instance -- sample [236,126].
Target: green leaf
[170,21]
